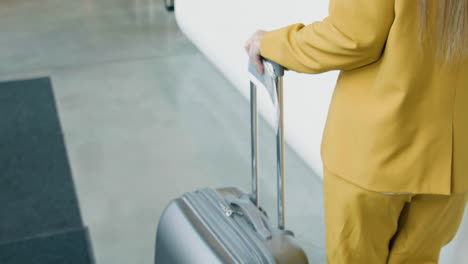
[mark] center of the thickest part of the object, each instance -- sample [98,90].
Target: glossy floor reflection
[146,117]
[52,34]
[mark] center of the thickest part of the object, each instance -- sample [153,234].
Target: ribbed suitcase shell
[200,228]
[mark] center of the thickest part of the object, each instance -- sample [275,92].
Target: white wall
[220,29]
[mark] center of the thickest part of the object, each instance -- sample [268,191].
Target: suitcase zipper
[256,246]
[210,197]
[229,211]
[195,199]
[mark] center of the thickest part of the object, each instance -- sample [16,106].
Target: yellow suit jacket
[398,120]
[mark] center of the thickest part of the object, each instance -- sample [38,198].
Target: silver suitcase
[227,225]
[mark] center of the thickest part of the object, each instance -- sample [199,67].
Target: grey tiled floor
[146,117]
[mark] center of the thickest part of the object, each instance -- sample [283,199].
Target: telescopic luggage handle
[272,80]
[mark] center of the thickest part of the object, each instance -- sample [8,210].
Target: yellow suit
[398,121]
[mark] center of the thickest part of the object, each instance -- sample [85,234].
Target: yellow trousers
[366,227]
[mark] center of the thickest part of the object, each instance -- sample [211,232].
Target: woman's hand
[253,49]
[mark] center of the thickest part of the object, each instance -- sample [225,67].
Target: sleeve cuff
[273,45]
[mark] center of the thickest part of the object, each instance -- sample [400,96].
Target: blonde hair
[449,30]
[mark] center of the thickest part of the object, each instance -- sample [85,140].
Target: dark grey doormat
[40,219]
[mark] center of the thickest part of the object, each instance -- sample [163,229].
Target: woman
[395,146]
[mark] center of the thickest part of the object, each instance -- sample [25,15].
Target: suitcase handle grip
[271,79]
[250,212]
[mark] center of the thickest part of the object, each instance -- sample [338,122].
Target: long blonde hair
[449,30]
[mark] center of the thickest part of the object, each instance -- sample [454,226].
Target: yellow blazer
[398,120]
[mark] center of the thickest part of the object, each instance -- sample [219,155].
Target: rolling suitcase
[226,225]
